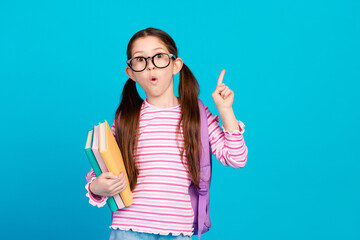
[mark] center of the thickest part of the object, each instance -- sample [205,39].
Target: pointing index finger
[220,79]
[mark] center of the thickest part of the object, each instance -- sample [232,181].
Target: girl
[159,140]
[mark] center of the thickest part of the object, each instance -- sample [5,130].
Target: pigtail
[126,127]
[190,119]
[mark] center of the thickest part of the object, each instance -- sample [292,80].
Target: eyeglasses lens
[160,61]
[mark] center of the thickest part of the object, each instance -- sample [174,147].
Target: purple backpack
[200,198]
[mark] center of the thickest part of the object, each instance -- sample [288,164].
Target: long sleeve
[228,148]
[94,200]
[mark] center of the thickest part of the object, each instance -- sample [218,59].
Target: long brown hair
[128,114]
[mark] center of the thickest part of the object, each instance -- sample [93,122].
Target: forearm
[228,119]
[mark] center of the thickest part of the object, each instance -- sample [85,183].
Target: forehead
[147,45]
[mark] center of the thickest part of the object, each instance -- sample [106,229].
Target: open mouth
[153,79]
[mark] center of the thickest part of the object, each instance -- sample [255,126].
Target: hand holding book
[108,184]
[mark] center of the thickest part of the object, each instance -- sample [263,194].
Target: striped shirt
[161,202]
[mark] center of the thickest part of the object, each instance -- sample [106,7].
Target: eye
[160,55]
[139,59]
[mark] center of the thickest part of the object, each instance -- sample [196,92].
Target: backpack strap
[205,170]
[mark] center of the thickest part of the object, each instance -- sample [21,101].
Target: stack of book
[104,156]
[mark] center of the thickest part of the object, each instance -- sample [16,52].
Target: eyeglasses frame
[152,60]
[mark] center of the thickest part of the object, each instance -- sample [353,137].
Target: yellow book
[110,152]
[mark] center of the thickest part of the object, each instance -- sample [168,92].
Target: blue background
[294,67]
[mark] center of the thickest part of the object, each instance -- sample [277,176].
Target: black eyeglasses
[160,60]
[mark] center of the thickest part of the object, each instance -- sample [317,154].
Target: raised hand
[223,96]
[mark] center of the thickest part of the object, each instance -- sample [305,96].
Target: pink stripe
[147,205]
[162,146]
[212,131]
[239,147]
[165,199]
[153,190]
[234,135]
[242,153]
[230,140]
[159,125]
[211,122]
[175,169]
[220,138]
[157,154]
[159,161]
[141,226]
[165,176]
[151,213]
[163,183]
[207,110]
[146,120]
[90,174]
[159,132]
[238,156]
[160,139]
[154,112]
[170,111]
[151,220]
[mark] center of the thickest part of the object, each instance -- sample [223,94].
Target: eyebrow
[153,50]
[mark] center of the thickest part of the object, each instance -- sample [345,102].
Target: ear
[178,64]
[130,73]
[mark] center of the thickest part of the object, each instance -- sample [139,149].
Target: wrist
[226,111]
[227,114]
[228,118]
[91,190]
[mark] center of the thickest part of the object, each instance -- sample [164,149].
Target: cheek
[170,70]
[168,75]
[164,73]
[140,76]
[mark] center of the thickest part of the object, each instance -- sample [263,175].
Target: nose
[150,64]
